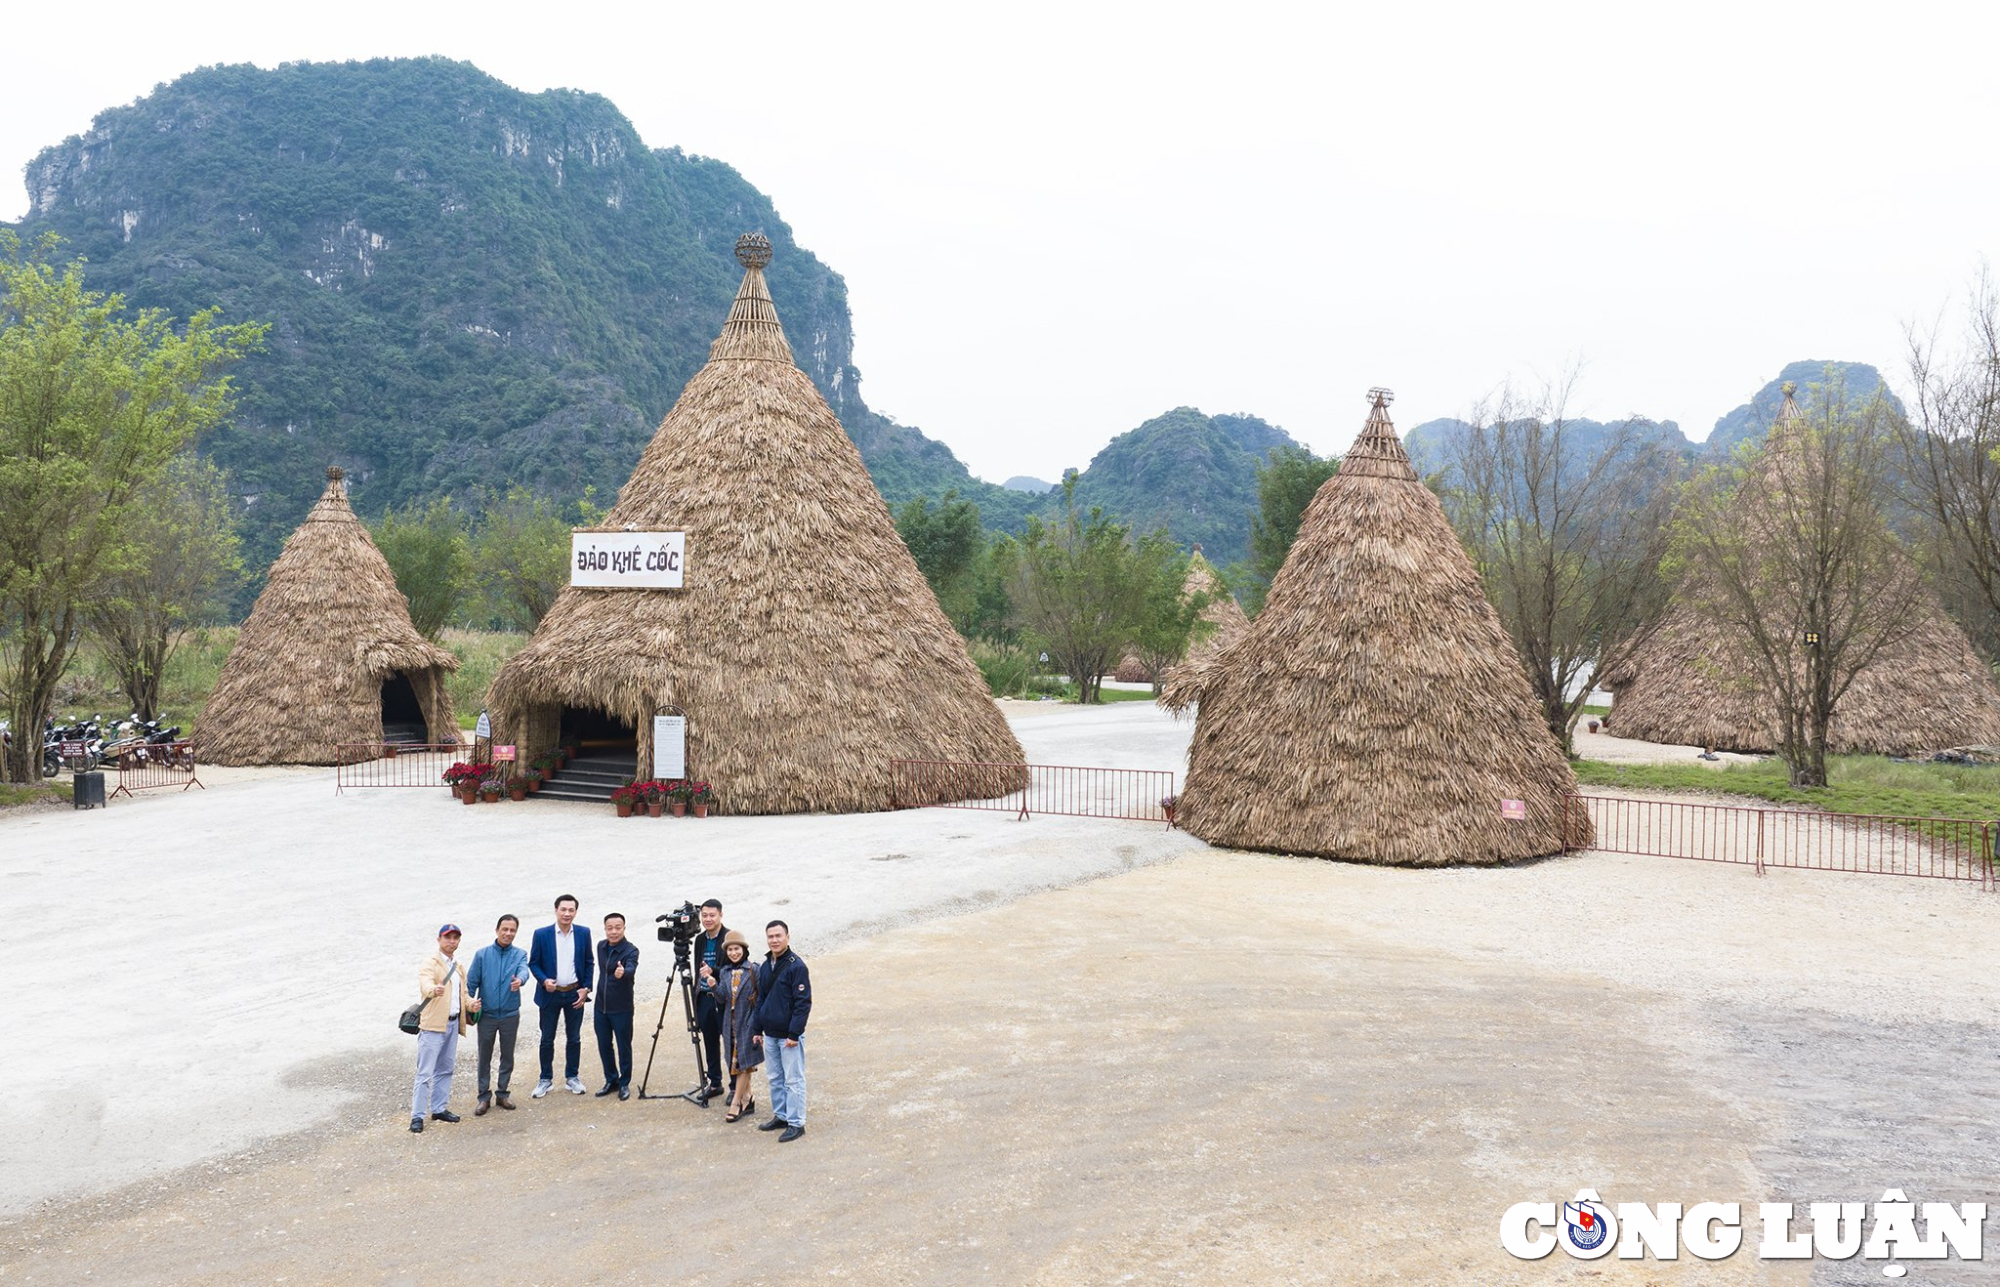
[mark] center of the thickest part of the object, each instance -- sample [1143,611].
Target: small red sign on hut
[1514,810]
[502,754]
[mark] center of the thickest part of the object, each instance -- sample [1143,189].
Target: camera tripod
[683,971]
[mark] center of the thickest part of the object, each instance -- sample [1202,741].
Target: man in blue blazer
[563,967]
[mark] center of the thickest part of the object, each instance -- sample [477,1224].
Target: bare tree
[1568,522]
[1790,551]
[1950,449]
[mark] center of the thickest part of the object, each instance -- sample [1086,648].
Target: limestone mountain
[1749,422]
[467,284]
[1192,473]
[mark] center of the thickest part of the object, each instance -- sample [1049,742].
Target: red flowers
[462,772]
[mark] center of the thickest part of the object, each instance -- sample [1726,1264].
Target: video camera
[678,926]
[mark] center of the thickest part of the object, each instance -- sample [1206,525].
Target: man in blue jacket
[784,999]
[561,963]
[498,973]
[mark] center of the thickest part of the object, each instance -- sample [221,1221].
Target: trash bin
[89,791]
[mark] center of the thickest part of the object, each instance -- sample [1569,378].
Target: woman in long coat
[736,989]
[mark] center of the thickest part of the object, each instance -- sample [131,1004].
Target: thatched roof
[308,666]
[1222,612]
[1375,710]
[1693,683]
[805,647]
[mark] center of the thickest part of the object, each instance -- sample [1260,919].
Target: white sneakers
[541,1088]
[574,1086]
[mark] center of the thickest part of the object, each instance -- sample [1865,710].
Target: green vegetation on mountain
[467,285]
[1749,422]
[1193,474]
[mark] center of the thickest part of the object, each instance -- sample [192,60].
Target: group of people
[750,1013]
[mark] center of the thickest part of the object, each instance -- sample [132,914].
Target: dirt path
[1223,1067]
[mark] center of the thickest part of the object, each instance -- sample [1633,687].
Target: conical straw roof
[1692,683]
[1222,612]
[806,648]
[307,670]
[1375,710]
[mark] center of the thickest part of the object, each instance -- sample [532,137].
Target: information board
[627,560]
[670,746]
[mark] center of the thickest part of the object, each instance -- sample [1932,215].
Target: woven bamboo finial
[334,473]
[1381,398]
[753,250]
[1788,388]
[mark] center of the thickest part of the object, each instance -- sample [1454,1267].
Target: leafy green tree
[1081,587]
[1286,483]
[947,540]
[431,556]
[185,564]
[93,405]
[1170,620]
[520,551]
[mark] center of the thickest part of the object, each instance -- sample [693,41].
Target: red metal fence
[1070,790]
[1941,848]
[392,764]
[152,765]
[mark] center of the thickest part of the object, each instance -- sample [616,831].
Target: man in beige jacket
[447,1005]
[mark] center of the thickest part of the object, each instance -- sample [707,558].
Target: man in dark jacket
[784,999]
[611,1006]
[707,1006]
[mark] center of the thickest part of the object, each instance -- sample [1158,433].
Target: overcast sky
[1058,220]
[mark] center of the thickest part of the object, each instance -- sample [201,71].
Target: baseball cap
[449,928]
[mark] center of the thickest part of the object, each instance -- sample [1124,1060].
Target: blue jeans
[571,1019]
[617,1072]
[436,1052]
[785,1071]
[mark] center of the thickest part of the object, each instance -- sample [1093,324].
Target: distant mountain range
[1430,443]
[469,285]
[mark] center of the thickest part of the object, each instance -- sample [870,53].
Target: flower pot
[701,811]
[1593,726]
[1168,809]
[534,785]
[654,809]
[389,751]
[470,797]
[518,791]
[489,797]
[680,808]
[624,808]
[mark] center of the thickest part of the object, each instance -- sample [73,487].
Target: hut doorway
[402,714]
[600,733]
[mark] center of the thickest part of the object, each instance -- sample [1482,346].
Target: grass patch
[481,654]
[1857,784]
[13,794]
[1590,710]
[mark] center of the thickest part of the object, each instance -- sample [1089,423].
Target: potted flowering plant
[464,779]
[517,787]
[677,796]
[491,789]
[699,796]
[656,798]
[1168,803]
[532,777]
[625,797]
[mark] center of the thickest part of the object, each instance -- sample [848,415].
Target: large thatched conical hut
[328,655]
[1692,683]
[1375,710]
[804,647]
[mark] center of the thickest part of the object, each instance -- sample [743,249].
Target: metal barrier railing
[152,765]
[1027,789]
[364,765]
[1938,848]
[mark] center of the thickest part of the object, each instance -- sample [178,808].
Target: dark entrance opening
[402,714]
[600,733]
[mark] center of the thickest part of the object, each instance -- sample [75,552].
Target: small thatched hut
[804,647]
[1223,612]
[1692,683]
[328,655]
[1375,710]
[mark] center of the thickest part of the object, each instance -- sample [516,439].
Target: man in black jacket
[707,1006]
[617,963]
[784,999]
